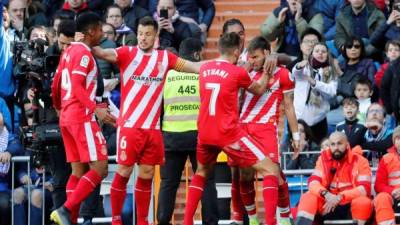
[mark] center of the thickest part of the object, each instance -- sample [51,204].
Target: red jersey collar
[81,43]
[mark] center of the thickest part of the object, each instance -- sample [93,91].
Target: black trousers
[171,174]
[320,130]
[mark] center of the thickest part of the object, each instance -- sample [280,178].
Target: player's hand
[282,15]
[79,36]
[270,64]
[103,114]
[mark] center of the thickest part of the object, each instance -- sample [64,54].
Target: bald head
[338,145]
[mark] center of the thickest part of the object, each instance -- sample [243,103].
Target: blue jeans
[127,210]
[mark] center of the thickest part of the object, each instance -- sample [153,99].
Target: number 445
[189,89]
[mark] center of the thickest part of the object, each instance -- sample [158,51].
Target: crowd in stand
[343,57]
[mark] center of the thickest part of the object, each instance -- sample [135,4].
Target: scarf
[123,29]
[384,133]
[317,64]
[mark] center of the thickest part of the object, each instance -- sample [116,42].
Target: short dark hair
[148,21]
[67,28]
[231,22]
[311,31]
[188,47]
[364,81]
[349,42]
[259,43]
[228,42]
[351,101]
[86,21]
[392,42]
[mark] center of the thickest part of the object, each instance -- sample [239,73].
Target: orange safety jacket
[350,177]
[388,173]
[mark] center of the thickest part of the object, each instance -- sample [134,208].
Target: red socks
[284,202]
[85,186]
[236,201]
[142,198]
[248,195]
[195,192]
[71,185]
[118,194]
[270,194]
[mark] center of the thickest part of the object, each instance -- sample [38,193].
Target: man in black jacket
[390,89]
[131,13]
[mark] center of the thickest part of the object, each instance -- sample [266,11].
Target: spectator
[390,30]
[392,50]
[308,39]
[99,6]
[351,126]
[236,26]
[36,14]
[341,182]
[316,83]
[73,8]
[124,34]
[109,31]
[65,35]
[355,66]
[386,183]
[17,11]
[173,30]
[330,10]
[390,89]
[302,161]
[57,20]
[131,14]
[359,18]
[288,22]
[325,143]
[363,92]
[378,137]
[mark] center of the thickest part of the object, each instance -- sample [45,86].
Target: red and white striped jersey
[142,81]
[265,108]
[78,72]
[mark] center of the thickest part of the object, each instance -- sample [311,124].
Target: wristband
[296,136]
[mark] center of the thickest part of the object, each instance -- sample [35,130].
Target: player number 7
[214,87]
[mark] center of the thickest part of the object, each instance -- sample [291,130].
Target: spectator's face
[396,141]
[357,4]
[393,52]
[292,4]
[375,112]
[38,33]
[236,28]
[168,5]
[325,144]
[146,37]
[338,146]
[64,41]
[308,43]
[123,3]
[114,17]
[108,32]
[6,18]
[257,58]
[354,51]
[350,111]
[16,9]
[75,3]
[320,53]
[302,132]
[362,91]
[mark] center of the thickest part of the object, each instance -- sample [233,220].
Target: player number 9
[66,83]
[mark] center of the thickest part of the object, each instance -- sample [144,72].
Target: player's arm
[190,67]
[106,54]
[291,117]
[260,86]
[78,80]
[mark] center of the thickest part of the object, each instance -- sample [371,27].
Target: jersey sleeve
[244,79]
[81,64]
[175,62]
[122,53]
[286,82]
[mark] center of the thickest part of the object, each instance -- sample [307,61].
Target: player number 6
[122,144]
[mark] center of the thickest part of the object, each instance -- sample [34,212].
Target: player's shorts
[84,142]
[142,146]
[245,152]
[267,136]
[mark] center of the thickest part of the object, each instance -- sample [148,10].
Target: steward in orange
[341,181]
[387,183]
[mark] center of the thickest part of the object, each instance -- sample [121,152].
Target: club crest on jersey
[84,61]
[122,156]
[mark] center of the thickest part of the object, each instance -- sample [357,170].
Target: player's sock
[283,199]
[248,195]
[236,201]
[142,197]
[195,192]
[118,194]
[85,186]
[70,187]
[270,194]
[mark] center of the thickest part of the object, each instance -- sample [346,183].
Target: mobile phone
[164,13]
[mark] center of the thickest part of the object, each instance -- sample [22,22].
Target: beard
[338,155]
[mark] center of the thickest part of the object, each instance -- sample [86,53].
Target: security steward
[339,187]
[387,184]
[179,126]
